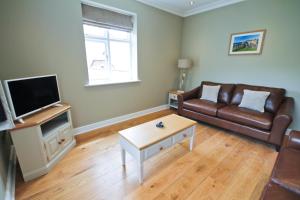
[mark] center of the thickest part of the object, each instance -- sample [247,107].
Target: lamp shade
[184,63]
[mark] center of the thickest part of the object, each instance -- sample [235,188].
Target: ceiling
[185,8]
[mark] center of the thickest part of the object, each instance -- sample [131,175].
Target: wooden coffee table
[146,140]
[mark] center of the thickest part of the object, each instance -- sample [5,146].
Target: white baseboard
[11,177]
[115,120]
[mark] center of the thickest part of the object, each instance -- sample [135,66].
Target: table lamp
[183,65]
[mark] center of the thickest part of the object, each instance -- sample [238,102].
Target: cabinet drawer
[182,135]
[156,148]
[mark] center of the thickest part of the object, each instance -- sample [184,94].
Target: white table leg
[123,155]
[141,171]
[192,138]
[140,165]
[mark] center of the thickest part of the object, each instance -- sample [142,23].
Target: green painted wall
[46,37]
[206,41]
[5,143]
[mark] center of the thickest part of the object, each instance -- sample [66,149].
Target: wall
[46,37]
[4,158]
[206,41]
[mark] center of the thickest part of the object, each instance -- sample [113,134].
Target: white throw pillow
[210,93]
[254,100]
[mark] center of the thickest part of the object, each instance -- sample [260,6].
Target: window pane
[94,31]
[96,59]
[119,35]
[120,56]
[120,60]
[120,76]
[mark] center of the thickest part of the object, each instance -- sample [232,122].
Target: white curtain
[9,123]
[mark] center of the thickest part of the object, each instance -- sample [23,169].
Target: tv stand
[21,121]
[42,140]
[57,105]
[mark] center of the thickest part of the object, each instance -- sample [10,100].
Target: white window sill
[111,83]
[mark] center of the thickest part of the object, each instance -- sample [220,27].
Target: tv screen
[28,95]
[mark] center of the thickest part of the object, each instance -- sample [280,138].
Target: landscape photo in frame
[247,42]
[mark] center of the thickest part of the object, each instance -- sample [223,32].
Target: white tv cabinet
[42,140]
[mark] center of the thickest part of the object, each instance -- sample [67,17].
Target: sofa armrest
[186,96]
[281,121]
[294,140]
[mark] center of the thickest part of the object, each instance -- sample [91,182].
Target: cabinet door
[53,146]
[66,136]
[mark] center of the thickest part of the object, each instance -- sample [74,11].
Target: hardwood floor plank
[209,189]
[214,185]
[159,182]
[243,183]
[192,177]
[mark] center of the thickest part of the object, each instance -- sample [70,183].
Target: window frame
[106,50]
[132,40]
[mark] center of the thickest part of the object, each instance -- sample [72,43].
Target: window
[110,43]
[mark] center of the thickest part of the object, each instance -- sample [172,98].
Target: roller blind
[106,18]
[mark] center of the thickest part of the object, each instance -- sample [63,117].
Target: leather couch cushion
[210,93]
[202,106]
[246,117]
[225,92]
[287,169]
[275,192]
[273,101]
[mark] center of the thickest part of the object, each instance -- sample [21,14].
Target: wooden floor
[221,166]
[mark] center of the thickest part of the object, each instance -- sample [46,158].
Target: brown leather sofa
[285,179]
[269,126]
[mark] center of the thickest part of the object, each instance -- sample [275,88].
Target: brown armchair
[285,179]
[294,140]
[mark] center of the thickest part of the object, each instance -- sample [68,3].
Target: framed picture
[247,43]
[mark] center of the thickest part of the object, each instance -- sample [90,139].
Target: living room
[48,37]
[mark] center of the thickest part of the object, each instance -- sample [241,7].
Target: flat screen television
[29,95]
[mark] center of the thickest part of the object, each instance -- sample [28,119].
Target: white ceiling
[184,8]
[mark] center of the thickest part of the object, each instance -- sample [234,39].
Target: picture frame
[247,43]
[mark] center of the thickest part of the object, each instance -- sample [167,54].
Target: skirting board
[115,120]
[11,177]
